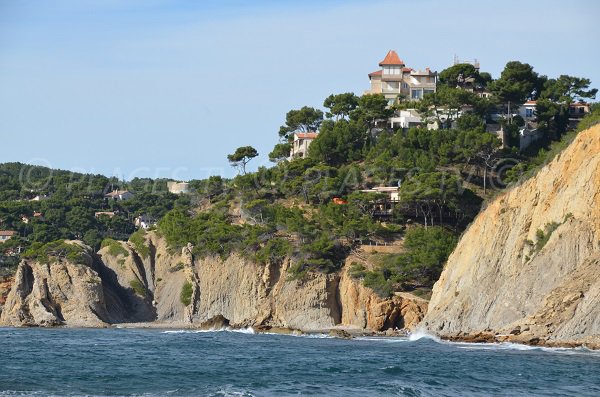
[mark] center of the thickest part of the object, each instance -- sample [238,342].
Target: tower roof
[391,58]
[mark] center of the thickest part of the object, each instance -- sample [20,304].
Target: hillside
[528,267]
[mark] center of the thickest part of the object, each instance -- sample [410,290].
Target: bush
[357,270]
[138,287]
[55,251]
[114,247]
[543,237]
[274,251]
[139,243]
[185,297]
[297,271]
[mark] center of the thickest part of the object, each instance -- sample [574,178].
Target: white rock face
[497,281]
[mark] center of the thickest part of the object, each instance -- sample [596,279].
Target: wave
[249,331]
[422,334]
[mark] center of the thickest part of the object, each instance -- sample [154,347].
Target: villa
[301,143]
[6,235]
[395,80]
[119,195]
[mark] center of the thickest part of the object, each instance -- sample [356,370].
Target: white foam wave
[249,331]
[522,347]
[384,339]
[422,334]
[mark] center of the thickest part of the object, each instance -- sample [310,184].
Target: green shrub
[297,271]
[139,243]
[138,287]
[274,251]
[54,251]
[185,297]
[114,247]
[357,270]
[179,266]
[543,237]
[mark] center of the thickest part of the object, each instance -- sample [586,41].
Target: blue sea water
[142,362]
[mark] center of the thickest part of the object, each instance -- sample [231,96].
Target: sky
[168,88]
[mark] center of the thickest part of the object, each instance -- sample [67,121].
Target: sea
[154,362]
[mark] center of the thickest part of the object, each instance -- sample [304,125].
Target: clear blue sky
[169,87]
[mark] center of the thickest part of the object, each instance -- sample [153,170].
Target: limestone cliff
[528,267]
[154,284]
[55,293]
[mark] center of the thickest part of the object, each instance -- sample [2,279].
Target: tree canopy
[241,157]
[301,120]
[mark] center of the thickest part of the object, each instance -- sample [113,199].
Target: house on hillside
[178,187]
[6,235]
[527,110]
[301,143]
[396,80]
[405,119]
[119,195]
[578,109]
[384,207]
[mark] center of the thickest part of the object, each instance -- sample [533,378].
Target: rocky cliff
[153,284]
[528,268]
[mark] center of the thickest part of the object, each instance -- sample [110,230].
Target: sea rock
[340,333]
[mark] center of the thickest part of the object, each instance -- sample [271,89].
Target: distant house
[578,109]
[119,195]
[144,222]
[405,119]
[302,141]
[108,214]
[396,80]
[392,192]
[527,110]
[178,187]
[383,208]
[6,235]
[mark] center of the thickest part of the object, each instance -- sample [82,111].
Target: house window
[416,94]
[528,112]
[404,85]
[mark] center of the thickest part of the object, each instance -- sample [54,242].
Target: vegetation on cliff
[55,251]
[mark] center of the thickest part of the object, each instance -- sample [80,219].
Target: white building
[405,119]
[528,110]
[301,143]
[178,187]
[392,192]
